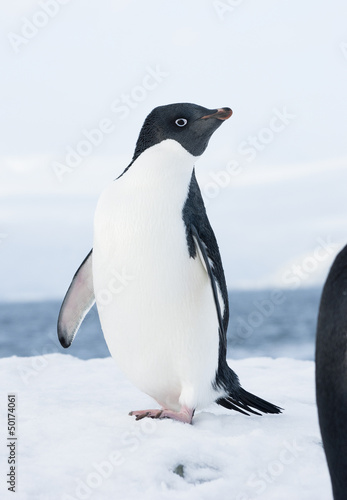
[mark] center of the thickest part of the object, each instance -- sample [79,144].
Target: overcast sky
[78,79]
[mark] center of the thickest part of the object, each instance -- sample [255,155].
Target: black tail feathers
[246,401]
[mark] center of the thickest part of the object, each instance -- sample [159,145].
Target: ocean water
[262,323]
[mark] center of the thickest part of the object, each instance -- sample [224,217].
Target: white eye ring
[181,122]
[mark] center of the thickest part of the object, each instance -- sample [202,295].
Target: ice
[76,440]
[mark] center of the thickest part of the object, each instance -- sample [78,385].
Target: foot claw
[139,415]
[185,415]
[144,415]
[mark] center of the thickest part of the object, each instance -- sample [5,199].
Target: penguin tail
[247,403]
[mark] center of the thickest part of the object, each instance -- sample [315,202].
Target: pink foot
[185,415]
[140,414]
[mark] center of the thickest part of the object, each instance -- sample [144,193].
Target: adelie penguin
[331,373]
[166,325]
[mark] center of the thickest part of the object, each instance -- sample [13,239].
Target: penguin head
[189,124]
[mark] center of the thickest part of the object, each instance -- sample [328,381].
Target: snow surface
[76,440]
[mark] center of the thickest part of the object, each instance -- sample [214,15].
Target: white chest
[160,324]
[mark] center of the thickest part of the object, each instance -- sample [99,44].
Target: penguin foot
[140,414]
[185,415]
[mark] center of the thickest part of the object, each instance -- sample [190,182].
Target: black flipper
[77,302]
[194,216]
[331,373]
[201,246]
[201,240]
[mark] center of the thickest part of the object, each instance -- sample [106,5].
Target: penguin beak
[220,114]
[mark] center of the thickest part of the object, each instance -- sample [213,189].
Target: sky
[78,80]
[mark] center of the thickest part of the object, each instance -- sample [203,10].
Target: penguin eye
[181,122]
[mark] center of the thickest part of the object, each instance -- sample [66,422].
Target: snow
[76,440]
